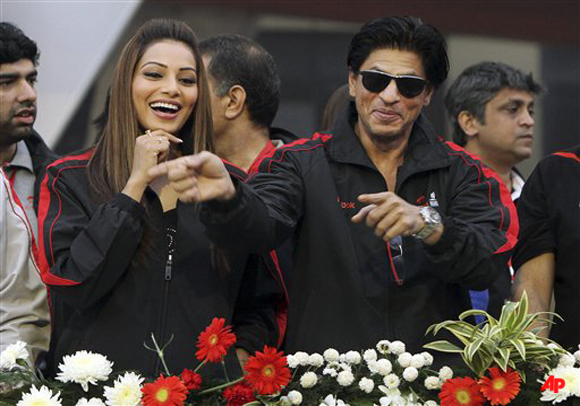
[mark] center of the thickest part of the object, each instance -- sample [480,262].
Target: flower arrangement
[505,364]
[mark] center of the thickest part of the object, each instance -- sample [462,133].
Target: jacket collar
[424,152]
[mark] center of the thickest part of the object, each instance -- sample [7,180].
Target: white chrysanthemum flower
[428,358]
[353,357]
[91,402]
[40,397]
[373,367]
[410,374]
[126,390]
[571,376]
[292,361]
[405,359]
[567,360]
[433,383]
[295,397]
[331,355]
[330,400]
[284,401]
[418,361]
[301,357]
[345,378]
[397,347]
[344,366]
[384,366]
[12,353]
[391,381]
[316,360]
[366,385]
[371,355]
[84,367]
[577,356]
[445,373]
[308,380]
[330,372]
[383,347]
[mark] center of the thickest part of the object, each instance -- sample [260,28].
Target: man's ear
[351,83]
[236,102]
[468,123]
[428,94]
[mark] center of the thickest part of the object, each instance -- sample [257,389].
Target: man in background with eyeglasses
[391,224]
[491,109]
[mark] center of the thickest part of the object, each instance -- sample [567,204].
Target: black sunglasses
[408,85]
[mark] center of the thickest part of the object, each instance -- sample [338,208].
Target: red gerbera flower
[461,392]
[214,342]
[168,391]
[267,371]
[239,394]
[501,387]
[190,379]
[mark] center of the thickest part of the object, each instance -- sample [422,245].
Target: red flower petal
[502,387]
[461,392]
[213,343]
[239,394]
[191,380]
[168,391]
[267,371]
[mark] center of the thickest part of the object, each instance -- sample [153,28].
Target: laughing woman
[122,256]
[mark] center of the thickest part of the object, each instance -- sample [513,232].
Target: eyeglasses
[408,85]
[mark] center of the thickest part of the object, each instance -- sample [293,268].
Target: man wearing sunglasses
[391,224]
[491,109]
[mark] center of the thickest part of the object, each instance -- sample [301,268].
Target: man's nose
[390,94]
[27,92]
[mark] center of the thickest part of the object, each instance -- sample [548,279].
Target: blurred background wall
[81,40]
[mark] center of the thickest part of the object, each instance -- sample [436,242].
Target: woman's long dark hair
[110,165]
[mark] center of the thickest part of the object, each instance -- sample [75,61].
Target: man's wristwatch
[431,218]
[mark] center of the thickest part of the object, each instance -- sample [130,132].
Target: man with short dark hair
[392,225]
[245,94]
[24,311]
[491,108]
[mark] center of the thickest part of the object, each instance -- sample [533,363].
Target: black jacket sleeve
[84,249]
[480,229]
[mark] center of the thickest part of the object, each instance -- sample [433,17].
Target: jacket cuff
[218,211]
[445,243]
[125,203]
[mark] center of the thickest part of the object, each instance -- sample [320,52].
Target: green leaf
[443,346]
[520,347]
[472,348]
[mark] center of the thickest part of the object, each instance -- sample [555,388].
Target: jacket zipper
[167,276]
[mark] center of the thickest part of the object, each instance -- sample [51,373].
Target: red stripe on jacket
[43,207]
[512,231]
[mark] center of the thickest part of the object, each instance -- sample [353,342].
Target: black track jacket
[102,302]
[348,290]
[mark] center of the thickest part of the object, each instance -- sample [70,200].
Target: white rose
[384,366]
[345,378]
[432,383]
[383,347]
[397,347]
[302,358]
[405,359]
[316,360]
[295,397]
[567,360]
[391,381]
[577,356]
[331,355]
[445,373]
[353,357]
[371,355]
[90,402]
[292,361]
[410,374]
[366,385]
[428,358]
[308,380]
[418,361]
